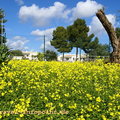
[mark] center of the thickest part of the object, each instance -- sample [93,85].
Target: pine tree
[2,29]
[4,52]
[60,40]
[78,33]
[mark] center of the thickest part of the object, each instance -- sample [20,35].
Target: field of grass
[60,91]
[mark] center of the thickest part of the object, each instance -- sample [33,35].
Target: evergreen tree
[94,48]
[2,29]
[78,33]
[90,45]
[101,50]
[4,52]
[60,40]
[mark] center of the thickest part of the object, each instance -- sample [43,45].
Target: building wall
[27,55]
[71,57]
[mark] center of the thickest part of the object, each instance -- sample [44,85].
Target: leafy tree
[4,51]
[90,44]
[60,40]
[50,55]
[78,32]
[16,53]
[101,50]
[79,38]
[40,56]
[94,48]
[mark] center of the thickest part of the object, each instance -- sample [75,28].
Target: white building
[27,55]
[33,56]
[71,57]
[30,55]
[17,57]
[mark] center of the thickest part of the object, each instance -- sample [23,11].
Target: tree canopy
[60,40]
[77,33]
[16,53]
[50,55]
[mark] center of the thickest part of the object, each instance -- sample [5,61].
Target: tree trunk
[76,53]
[63,57]
[80,54]
[115,42]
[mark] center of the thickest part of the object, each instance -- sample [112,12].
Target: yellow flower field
[31,90]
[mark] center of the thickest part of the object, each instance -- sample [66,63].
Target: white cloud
[43,16]
[20,2]
[47,46]
[18,42]
[85,9]
[47,33]
[96,26]
[48,36]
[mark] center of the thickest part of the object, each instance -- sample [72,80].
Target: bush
[4,54]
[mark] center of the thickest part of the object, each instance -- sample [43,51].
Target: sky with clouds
[29,20]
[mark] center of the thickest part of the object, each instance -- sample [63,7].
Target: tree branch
[109,28]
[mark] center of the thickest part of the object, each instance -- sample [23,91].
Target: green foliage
[4,54]
[79,38]
[60,40]
[100,50]
[77,33]
[4,51]
[16,53]
[90,45]
[2,29]
[40,56]
[50,55]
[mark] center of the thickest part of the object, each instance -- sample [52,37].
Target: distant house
[67,57]
[30,55]
[72,57]
[27,55]
[17,57]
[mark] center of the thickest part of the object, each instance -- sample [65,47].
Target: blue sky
[29,20]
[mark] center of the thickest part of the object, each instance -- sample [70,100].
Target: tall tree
[114,38]
[2,29]
[77,34]
[4,51]
[60,40]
